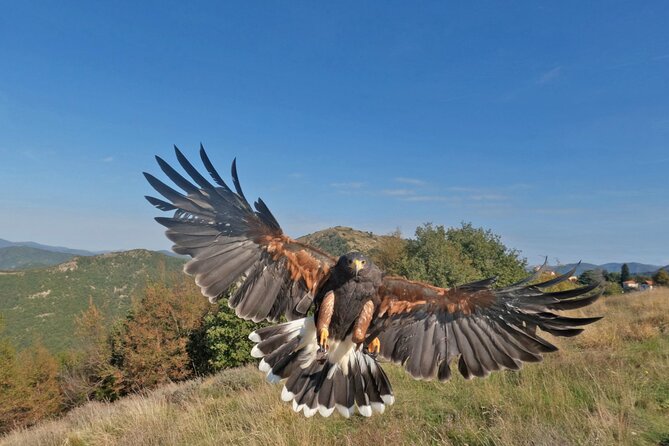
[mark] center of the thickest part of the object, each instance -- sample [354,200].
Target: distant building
[630,285]
[548,272]
[647,285]
[573,279]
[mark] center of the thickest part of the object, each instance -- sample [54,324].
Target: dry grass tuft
[607,386]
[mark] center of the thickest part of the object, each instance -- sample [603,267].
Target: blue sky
[545,122]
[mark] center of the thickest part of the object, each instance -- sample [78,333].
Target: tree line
[171,334]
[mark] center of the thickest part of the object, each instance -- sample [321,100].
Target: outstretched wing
[425,328]
[231,243]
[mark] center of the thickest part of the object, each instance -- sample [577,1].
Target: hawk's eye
[350,262]
[364,261]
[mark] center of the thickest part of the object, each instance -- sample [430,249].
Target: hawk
[343,314]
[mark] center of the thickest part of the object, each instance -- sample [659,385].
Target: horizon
[547,124]
[529,264]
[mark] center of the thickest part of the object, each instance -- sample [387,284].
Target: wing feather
[425,328]
[231,243]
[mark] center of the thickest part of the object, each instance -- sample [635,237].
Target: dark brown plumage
[323,359]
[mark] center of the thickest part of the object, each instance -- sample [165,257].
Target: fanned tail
[344,379]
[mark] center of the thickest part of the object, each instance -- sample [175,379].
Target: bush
[612,288]
[225,339]
[152,346]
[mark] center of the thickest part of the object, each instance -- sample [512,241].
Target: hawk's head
[354,264]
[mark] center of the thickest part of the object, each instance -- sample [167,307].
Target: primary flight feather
[327,361]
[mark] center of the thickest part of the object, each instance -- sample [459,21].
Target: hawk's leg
[323,321]
[362,323]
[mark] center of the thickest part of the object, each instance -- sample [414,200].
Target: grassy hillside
[24,257]
[340,240]
[607,386]
[42,303]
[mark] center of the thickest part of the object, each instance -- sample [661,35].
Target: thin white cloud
[519,186]
[549,76]
[488,197]
[349,185]
[414,181]
[29,154]
[348,188]
[425,198]
[108,159]
[461,189]
[398,192]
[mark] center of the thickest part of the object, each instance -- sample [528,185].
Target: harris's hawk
[328,361]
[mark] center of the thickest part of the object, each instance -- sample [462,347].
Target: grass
[607,386]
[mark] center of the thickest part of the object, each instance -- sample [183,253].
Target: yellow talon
[374,347]
[323,339]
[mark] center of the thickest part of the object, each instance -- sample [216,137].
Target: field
[608,386]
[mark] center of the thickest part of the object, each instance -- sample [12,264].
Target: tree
[41,386]
[432,258]
[592,277]
[487,254]
[29,387]
[661,277]
[89,374]
[9,386]
[624,273]
[152,346]
[391,253]
[613,277]
[450,257]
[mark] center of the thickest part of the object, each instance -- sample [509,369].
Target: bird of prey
[342,314]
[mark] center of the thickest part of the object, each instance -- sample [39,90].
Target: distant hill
[341,239]
[76,252]
[635,268]
[173,254]
[24,257]
[561,269]
[43,302]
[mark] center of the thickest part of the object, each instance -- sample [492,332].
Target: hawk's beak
[357,265]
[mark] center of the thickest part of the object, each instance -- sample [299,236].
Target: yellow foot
[374,347]
[323,339]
